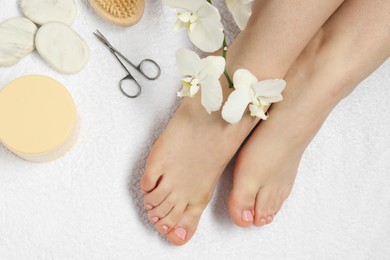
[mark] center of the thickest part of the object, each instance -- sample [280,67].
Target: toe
[241,205]
[151,177]
[261,208]
[167,223]
[186,227]
[158,195]
[149,182]
[275,205]
[272,210]
[163,209]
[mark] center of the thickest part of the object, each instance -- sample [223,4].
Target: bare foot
[327,71]
[184,166]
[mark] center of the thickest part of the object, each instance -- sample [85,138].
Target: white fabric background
[87,205]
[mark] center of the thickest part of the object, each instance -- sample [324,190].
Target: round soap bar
[38,118]
[60,46]
[16,40]
[44,11]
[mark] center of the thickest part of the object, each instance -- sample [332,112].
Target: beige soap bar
[38,118]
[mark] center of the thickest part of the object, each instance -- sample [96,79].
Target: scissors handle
[144,66]
[132,83]
[147,65]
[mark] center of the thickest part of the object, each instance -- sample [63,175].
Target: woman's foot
[327,71]
[266,167]
[184,166]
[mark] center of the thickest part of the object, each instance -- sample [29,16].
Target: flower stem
[224,52]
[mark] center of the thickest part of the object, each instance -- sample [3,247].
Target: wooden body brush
[120,12]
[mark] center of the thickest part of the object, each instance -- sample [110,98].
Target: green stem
[224,52]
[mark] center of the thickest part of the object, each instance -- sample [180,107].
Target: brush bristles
[120,8]
[120,12]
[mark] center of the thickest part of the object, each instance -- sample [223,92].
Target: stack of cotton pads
[56,42]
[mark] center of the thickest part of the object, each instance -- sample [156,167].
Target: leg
[187,160]
[275,35]
[349,47]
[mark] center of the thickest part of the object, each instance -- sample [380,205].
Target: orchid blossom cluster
[205,30]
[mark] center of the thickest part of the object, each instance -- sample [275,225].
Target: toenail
[270,218]
[155,219]
[165,227]
[262,220]
[247,216]
[181,233]
[149,207]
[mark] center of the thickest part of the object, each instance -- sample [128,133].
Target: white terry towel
[87,205]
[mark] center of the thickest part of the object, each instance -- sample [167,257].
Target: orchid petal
[184,17]
[235,106]
[241,11]
[187,79]
[243,79]
[192,27]
[179,24]
[185,91]
[258,111]
[193,90]
[213,66]
[191,5]
[188,62]
[211,95]
[208,34]
[209,12]
[269,91]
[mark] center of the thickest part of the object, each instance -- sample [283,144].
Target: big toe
[151,177]
[241,205]
[186,227]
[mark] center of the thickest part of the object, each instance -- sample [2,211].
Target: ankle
[241,56]
[248,52]
[317,64]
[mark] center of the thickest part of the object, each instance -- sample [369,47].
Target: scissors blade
[104,40]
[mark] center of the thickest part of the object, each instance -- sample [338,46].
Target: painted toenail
[181,233]
[247,216]
[155,219]
[165,227]
[149,207]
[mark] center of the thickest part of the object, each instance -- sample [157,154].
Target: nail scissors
[145,64]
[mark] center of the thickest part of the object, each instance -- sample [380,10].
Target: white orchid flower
[241,11]
[201,74]
[203,22]
[248,91]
